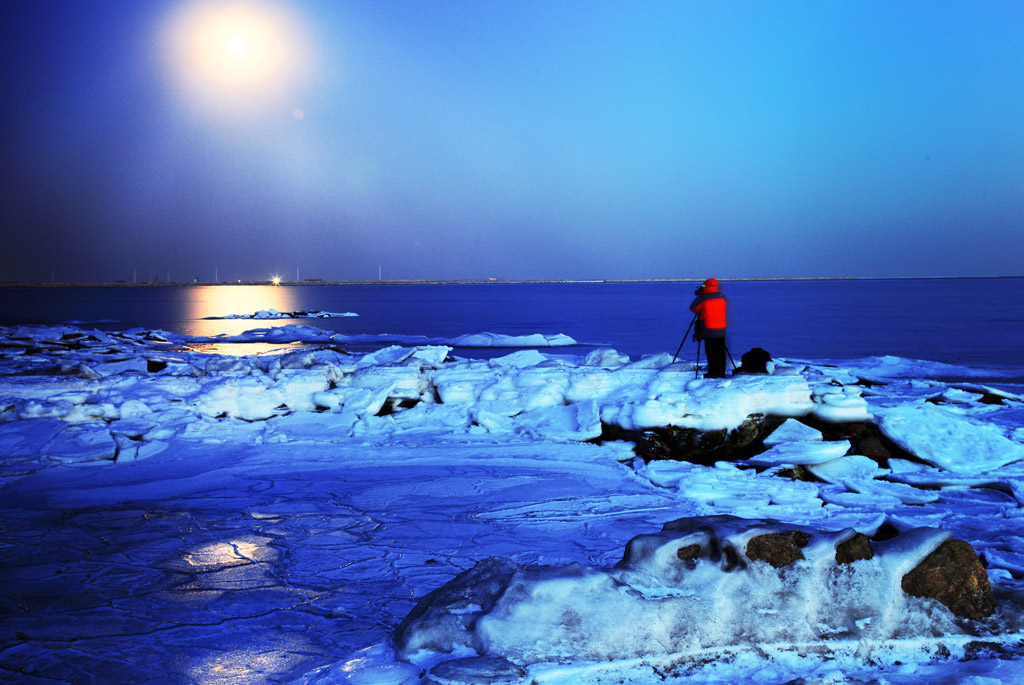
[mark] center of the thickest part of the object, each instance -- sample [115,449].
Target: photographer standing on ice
[710,306]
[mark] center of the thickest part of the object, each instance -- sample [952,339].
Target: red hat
[710,284]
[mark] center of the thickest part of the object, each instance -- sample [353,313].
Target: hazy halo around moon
[235,58]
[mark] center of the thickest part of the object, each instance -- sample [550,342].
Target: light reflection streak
[218,554]
[225,300]
[228,566]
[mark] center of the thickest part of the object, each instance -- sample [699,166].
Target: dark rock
[393,405]
[653,445]
[857,548]
[689,555]
[708,447]
[754,361]
[871,447]
[977,650]
[695,446]
[778,549]
[733,562]
[954,576]
[865,438]
[796,473]
[884,532]
[155,365]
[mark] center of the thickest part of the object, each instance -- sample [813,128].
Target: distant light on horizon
[235,57]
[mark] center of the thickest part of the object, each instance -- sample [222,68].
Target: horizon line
[467,281]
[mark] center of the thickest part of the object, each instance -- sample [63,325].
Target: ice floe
[274,314]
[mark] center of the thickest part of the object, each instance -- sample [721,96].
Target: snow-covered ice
[174,514]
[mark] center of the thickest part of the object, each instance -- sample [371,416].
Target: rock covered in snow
[783,583]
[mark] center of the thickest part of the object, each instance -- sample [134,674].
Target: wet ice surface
[169,515]
[259,563]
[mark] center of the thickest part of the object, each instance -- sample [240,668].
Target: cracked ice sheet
[259,563]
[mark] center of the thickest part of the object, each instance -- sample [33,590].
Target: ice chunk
[661,360]
[134,427]
[360,401]
[959,396]
[246,398]
[141,450]
[605,358]
[792,430]
[927,476]
[521,359]
[1005,559]
[666,473]
[387,355]
[404,381]
[949,441]
[441,419]
[314,427]
[579,421]
[433,356]
[801,453]
[870,501]
[296,388]
[880,488]
[113,368]
[228,366]
[842,405]
[854,467]
[592,384]
[81,443]
[463,383]
[134,409]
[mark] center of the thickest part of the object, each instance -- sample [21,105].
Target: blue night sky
[523,139]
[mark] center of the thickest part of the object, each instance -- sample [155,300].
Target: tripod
[697,363]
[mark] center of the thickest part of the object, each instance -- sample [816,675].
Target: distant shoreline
[481,281]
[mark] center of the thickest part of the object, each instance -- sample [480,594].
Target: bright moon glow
[236,57]
[236,45]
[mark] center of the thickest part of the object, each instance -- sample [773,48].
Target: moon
[235,56]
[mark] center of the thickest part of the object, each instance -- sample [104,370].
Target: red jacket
[710,306]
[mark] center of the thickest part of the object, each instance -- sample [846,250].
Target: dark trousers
[714,348]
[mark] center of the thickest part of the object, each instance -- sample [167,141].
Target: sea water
[971,322]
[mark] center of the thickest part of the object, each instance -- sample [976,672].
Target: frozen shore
[266,518]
